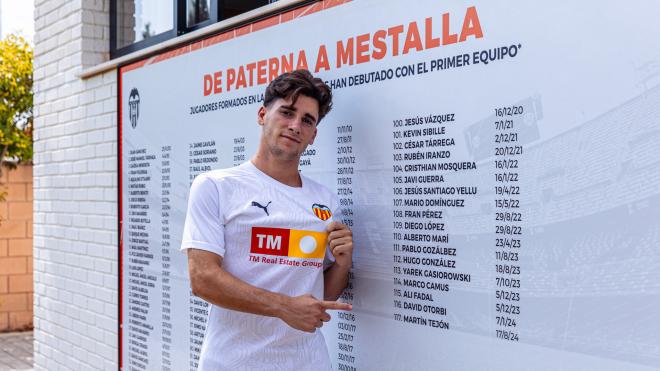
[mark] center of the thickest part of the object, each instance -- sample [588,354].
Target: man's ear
[260,115]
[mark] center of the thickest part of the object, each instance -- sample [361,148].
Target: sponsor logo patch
[288,242]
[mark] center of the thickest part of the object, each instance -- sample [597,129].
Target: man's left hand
[340,239]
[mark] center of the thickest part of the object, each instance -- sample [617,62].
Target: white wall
[75,189]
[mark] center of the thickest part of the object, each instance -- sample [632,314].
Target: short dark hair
[292,84]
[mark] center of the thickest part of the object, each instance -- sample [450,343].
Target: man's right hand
[306,313]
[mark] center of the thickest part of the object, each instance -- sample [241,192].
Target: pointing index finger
[335,305]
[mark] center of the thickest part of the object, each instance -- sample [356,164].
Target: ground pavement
[16,351]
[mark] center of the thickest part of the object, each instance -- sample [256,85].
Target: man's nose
[295,124]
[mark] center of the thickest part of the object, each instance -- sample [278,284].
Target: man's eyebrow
[310,117]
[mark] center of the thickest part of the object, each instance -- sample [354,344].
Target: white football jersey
[271,236]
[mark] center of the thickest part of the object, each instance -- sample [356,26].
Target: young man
[263,248]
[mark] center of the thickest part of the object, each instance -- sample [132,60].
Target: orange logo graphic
[321,211]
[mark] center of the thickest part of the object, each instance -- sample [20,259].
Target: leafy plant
[15,101]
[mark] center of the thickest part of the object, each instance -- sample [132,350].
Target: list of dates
[508,217]
[347,322]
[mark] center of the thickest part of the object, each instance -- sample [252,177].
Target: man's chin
[287,154]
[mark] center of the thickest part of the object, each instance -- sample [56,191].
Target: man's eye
[287,113]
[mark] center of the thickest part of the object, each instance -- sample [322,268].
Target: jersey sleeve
[204,227]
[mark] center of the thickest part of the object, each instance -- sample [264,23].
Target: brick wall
[75,189]
[16,249]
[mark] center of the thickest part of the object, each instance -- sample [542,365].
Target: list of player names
[426,183]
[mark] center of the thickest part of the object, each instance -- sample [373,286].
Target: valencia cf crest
[134,107]
[321,211]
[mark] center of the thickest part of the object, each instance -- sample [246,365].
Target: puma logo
[255,203]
